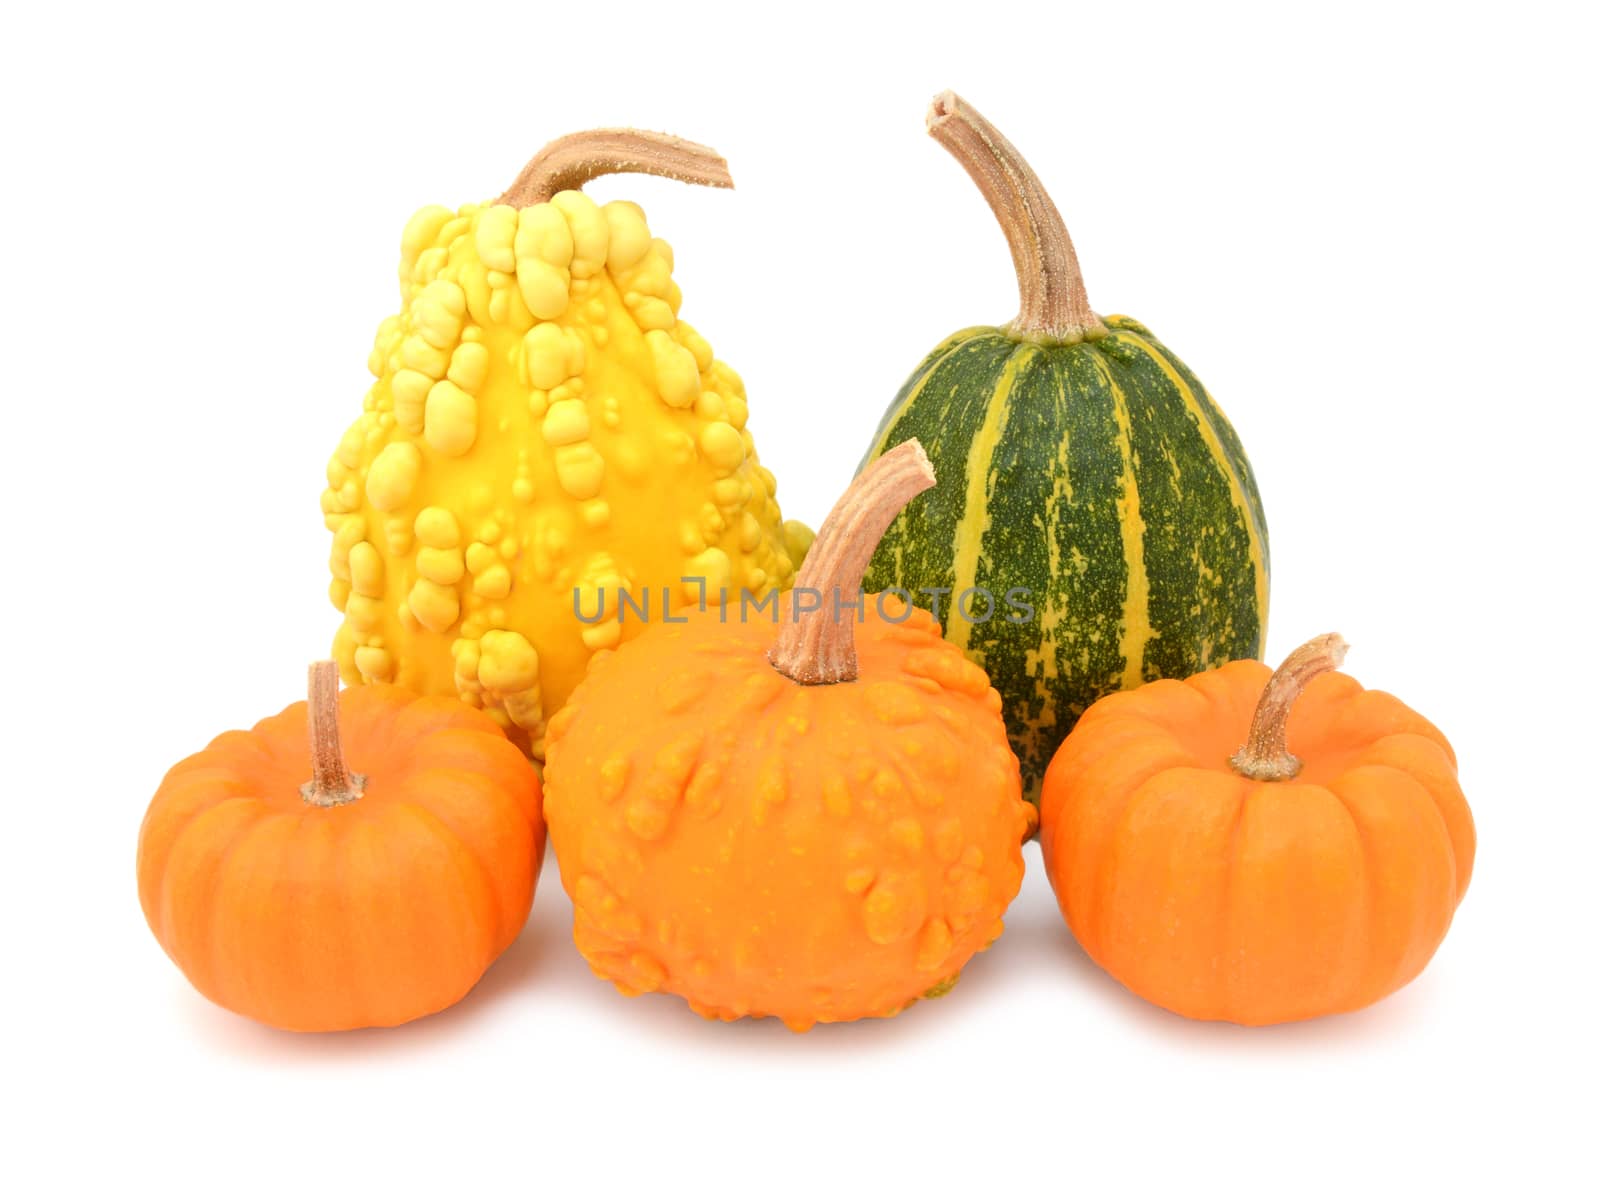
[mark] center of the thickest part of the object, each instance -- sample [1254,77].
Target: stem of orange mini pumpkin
[332,783]
[1265,754]
[819,646]
[1055,305]
[572,161]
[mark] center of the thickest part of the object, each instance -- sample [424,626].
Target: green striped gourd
[1079,460]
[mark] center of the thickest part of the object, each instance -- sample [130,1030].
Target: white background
[1369,228]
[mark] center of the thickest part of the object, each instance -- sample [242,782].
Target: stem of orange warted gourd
[572,161]
[1265,754]
[332,783]
[819,646]
[1055,305]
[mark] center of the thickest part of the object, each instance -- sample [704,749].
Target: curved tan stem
[1265,753]
[331,782]
[1055,305]
[819,646]
[572,161]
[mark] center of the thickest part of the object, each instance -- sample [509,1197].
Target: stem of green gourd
[1055,305]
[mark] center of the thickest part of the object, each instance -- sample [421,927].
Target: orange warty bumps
[760,847]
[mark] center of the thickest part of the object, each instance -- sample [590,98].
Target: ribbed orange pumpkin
[1266,886]
[309,897]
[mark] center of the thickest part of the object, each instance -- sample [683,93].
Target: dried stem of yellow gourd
[1055,305]
[331,781]
[572,161]
[1265,753]
[819,646]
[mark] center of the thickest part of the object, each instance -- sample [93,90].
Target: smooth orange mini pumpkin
[1253,884]
[314,897]
[814,817]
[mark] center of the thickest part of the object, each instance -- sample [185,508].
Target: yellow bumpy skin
[544,434]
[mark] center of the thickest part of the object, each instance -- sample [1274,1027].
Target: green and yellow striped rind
[1099,477]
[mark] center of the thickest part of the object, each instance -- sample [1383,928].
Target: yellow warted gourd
[544,435]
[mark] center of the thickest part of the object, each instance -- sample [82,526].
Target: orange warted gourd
[542,426]
[1252,884]
[313,897]
[810,815]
